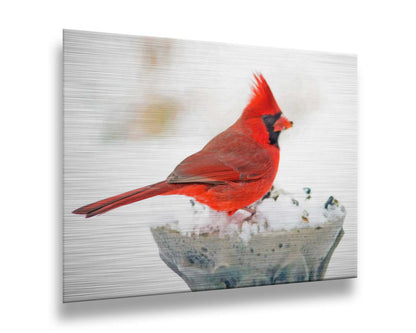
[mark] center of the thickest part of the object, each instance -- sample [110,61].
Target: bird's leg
[252,211]
[239,218]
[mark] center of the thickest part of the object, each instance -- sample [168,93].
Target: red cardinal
[235,169]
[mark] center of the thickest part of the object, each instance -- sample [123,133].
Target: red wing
[228,157]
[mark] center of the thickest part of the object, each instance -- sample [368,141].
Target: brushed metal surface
[134,107]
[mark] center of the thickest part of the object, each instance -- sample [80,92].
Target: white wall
[30,74]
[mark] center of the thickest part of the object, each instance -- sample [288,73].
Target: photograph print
[192,166]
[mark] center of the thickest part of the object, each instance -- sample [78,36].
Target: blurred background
[134,107]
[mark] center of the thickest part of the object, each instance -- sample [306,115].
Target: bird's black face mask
[269,120]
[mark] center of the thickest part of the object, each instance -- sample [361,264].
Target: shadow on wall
[186,302]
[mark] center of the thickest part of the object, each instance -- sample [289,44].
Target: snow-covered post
[285,240]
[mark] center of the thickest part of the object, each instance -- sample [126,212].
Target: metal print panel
[193,166]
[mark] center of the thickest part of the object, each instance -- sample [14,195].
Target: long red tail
[102,206]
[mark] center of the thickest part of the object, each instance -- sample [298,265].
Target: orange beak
[281,124]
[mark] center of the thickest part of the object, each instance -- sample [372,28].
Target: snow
[280,211]
[292,211]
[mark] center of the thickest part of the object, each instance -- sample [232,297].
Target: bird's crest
[262,101]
